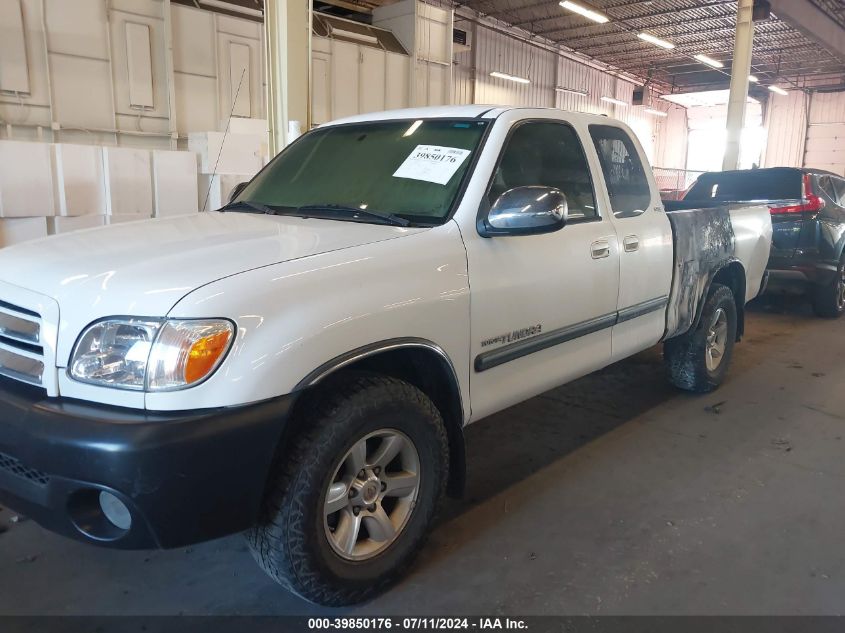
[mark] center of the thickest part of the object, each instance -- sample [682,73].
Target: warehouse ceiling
[782,53]
[790,52]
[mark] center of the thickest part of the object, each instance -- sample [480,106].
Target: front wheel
[353,498]
[698,360]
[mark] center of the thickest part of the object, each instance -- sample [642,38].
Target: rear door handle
[631,243]
[600,249]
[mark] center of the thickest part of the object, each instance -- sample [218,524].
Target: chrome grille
[21,348]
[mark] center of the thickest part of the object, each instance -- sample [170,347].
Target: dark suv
[808,219]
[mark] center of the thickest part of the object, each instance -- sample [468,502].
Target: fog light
[115,510]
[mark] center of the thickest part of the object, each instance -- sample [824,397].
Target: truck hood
[143,268]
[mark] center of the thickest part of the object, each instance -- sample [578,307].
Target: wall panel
[786,120]
[825,146]
[13,65]
[495,52]
[83,84]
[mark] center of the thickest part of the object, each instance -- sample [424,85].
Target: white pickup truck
[300,364]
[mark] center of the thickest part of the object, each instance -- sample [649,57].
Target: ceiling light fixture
[656,41]
[709,61]
[353,35]
[574,91]
[595,16]
[656,112]
[519,80]
[616,101]
[779,91]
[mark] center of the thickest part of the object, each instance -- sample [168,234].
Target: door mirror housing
[236,191]
[525,211]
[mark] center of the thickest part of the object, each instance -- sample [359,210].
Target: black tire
[829,300]
[290,542]
[685,356]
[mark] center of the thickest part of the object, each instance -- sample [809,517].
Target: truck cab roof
[481,111]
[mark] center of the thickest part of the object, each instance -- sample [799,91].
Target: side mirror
[237,190]
[525,211]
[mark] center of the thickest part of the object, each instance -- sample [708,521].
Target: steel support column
[287,41]
[740,70]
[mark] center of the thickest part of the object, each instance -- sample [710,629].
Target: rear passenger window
[548,154]
[627,184]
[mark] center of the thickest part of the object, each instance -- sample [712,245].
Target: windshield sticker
[432,163]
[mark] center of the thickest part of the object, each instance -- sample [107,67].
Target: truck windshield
[369,172]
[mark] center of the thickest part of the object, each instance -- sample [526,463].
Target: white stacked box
[174,183]
[80,180]
[241,154]
[16,230]
[61,224]
[129,189]
[214,191]
[122,218]
[26,190]
[26,179]
[238,125]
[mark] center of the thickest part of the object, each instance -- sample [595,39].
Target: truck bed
[707,240]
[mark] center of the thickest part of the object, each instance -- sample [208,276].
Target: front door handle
[600,249]
[631,243]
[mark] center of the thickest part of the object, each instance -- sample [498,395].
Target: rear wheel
[829,300]
[698,360]
[354,496]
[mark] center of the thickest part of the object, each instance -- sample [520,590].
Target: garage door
[825,148]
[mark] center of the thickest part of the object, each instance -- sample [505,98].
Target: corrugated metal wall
[494,51]
[786,120]
[672,138]
[807,130]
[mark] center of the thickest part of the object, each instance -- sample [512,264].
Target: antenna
[223,142]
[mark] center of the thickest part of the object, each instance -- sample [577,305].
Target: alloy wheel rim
[717,339]
[371,495]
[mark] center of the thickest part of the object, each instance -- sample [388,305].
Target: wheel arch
[423,364]
[732,275]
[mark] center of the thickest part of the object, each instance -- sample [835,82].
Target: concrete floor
[612,495]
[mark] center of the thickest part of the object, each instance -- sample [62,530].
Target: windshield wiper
[246,204]
[339,210]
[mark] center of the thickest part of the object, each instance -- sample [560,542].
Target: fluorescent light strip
[352,35]
[656,112]
[580,93]
[779,91]
[595,16]
[656,41]
[709,61]
[519,80]
[616,101]
[753,79]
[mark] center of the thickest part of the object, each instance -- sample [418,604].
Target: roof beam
[682,44]
[814,23]
[645,16]
[678,38]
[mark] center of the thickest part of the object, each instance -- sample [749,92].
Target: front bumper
[185,477]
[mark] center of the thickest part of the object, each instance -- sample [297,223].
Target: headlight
[151,355]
